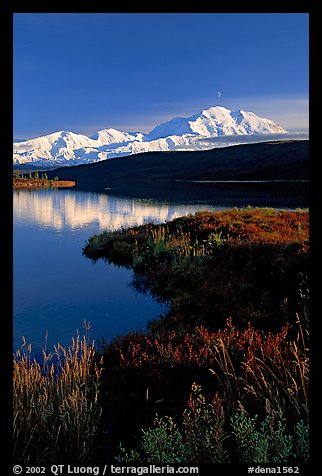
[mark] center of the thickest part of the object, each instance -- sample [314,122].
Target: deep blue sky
[90,71]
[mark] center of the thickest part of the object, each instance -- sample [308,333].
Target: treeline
[33,176]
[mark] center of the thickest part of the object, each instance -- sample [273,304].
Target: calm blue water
[55,287]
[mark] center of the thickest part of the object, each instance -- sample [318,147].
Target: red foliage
[198,348]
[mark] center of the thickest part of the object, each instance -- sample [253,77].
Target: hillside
[287,160]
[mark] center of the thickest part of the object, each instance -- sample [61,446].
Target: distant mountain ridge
[65,148]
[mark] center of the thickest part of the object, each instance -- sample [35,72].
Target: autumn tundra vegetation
[221,376]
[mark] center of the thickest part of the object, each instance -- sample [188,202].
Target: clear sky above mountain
[131,71]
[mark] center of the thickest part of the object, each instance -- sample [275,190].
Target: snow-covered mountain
[217,121]
[181,133]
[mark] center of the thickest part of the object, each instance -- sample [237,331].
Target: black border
[6,134]
[6,346]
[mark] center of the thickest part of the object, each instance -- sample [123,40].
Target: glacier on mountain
[180,133]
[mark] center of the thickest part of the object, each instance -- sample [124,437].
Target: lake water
[56,288]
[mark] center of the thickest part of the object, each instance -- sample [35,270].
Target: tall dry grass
[274,376]
[251,368]
[55,404]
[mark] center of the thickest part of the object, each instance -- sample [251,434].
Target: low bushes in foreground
[81,403]
[265,375]
[201,437]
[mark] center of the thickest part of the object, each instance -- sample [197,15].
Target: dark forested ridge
[283,160]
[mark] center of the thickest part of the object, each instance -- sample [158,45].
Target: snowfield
[181,133]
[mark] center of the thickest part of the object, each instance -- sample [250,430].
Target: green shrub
[302,441]
[199,439]
[161,444]
[269,441]
[203,425]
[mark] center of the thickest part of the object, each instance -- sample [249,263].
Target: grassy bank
[248,264]
[222,376]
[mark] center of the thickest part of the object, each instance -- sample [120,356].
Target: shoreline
[22,183]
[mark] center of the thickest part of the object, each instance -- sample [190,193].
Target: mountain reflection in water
[61,209]
[56,288]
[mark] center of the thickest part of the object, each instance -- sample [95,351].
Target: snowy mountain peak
[216,113]
[114,136]
[216,121]
[214,110]
[180,133]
